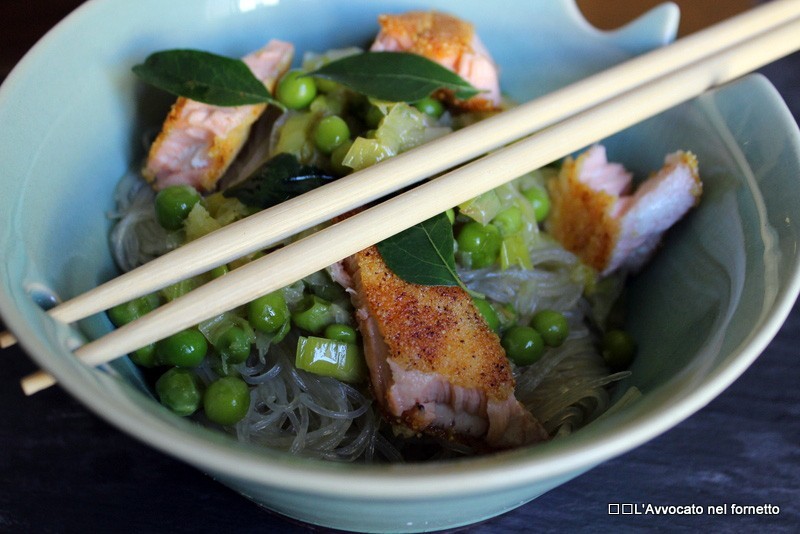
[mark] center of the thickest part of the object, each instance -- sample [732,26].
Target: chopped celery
[199,223]
[364,153]
[231,336]
[403,127]
[226,210]
[293,294]
[214,328]
[296,136]
[326,357]
[508,209]
[514,253]
[482,208]
[314,314]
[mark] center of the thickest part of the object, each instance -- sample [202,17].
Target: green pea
[226,400]
[183,349]
[373,117]
[341,332]
[488,312]
[145,356]
[325,85]
[523,345]
[268,313]
[127,312]
[180,391]
[295,90]
[540,201]
[173,205]
[331,132]
[552,326]
[234,345]
[618,348]
[430,106]
[508,221]
[481,242]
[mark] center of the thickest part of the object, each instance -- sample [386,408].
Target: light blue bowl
[718,291]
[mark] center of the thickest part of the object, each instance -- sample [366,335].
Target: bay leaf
[204,77]
[394,76]
[277,180]
[423,254]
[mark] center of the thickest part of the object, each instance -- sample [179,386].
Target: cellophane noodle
[321,417]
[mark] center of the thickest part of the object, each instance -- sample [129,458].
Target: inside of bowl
[719,273]
[716,280]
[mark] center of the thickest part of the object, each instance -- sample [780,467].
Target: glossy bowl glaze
[72,116]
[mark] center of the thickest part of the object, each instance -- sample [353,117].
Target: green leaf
[395,76]
[203,76]
[278,180]
[423,254]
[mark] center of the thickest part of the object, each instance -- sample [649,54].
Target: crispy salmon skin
[435,366]
[198,141]
[596,215]
[449,41]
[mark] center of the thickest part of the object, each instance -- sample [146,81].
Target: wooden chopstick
[6,340]
[347,237]
[273,225]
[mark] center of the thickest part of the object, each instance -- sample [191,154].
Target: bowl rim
[487,473]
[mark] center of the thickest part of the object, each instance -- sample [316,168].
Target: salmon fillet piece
[435,366]
[595,215]
[449,41]
[199,141]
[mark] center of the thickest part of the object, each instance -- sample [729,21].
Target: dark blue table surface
[64,470]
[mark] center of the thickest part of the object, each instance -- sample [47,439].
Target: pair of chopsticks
[566,120]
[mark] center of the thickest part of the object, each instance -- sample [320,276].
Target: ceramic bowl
[72,115]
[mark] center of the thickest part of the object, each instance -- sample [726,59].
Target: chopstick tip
[36,382]
[7,340]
